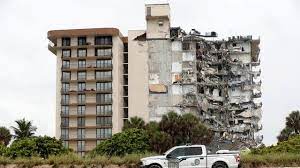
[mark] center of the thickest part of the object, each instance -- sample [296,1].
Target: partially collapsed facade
[152,72]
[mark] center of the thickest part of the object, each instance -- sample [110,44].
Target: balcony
[92,57]
[87,67]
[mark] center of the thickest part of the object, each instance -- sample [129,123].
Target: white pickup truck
[193,156]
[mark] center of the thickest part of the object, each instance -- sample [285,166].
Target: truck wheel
[154,166]
[219,165]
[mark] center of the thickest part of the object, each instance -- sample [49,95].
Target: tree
[293,121]
[126,142]
[185,129]
[134,122]
[285,134]
[36,146]
[292,126]
[24,129]
[5,136]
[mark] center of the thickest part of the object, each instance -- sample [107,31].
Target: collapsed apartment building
[104,78]
[217,80]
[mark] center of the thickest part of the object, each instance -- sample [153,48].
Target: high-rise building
[103,78]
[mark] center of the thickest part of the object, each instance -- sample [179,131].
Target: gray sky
[27,68]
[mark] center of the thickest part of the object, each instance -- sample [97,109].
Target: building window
[103,86]
[81,52]
[104,133]
[103,52]
[103,40]
[80,121]
[66,53]
[65,110]
[98,142]
[104,109]
[65,87]
[104,63]
[81,133]
[148,11]
[81,41]
[103,74]
[64,122]
[81,98]
[66,64]
[80,110]
[104,121]
[66,75]
[81,86]
[81,75]
[64,134]
[66,144]
[65,99]
[80,146]
[185,46]
[104,98]
[66,41]
[81,64]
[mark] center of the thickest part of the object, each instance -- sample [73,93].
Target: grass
[132,160]
[270,160]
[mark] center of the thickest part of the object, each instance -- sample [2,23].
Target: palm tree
[134,122]
[5,136]
[293,121]
[24,129]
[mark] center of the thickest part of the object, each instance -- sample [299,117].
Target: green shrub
[126,142]
[292,145]
[35,146]
[3,149]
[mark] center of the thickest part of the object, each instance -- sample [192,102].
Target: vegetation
[127,142]
[24,129]
[292,126]
[5,136]
[134,122]
[35,147]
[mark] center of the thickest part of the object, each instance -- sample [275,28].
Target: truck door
[195,157]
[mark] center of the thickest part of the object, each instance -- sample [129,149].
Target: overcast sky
[27,68]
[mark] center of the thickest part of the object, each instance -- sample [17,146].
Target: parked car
[193,156]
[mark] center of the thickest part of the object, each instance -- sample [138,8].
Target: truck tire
[154,166]
[219,165]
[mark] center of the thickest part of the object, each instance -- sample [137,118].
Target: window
[185,46]
[80,110]
[81,41]
[104,121]
[65,110]
[103,133]
[125,112]
[65,99]
[81,75]
[64,133]
[66,64]
[148,11]
[66,53]
[66,75]
[80,121]
[103,40]
[80,146]
[64,122]
[104,98]
[104,63]
[80,133]
[103,86]
[103,52]
[160,23]
[66,144]
[81,86]
[65,87]
[178,152]
[81,64]
[81,98]
[103,74]
[66,41]
[81,52]
[104,110]
[193,151]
